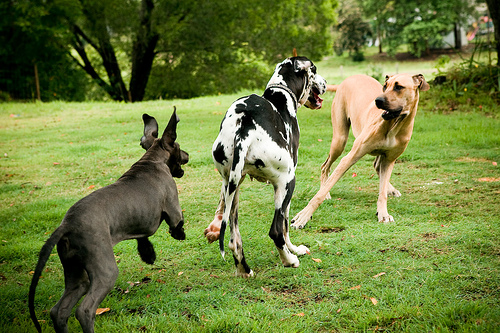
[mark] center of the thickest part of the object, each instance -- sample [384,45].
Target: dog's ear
[170,133]
[420,82]
[302,64]
[387,77]
[150,131]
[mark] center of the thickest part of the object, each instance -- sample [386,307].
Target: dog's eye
[398,87]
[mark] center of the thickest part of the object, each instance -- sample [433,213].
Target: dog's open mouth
[315,102]
[388,115]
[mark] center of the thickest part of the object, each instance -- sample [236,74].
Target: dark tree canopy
[168,48]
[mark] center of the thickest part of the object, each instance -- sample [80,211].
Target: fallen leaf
[317,260]
[100,311]
[379,274]
[354,174]
[320,140]
[299,314]
[180,273]
[494,163]
[488,179]
[56,163]
[90,187]
[374,301]
[338,311]
[356,287]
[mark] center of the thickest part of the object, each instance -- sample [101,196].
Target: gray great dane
[259,136]
[131,208]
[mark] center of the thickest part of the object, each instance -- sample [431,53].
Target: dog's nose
[379,102]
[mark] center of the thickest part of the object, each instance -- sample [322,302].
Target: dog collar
[288,90]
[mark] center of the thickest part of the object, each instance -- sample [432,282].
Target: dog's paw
[394,193]
[300,220]
[244,274]
[211,236]
[386,219]
[302,250]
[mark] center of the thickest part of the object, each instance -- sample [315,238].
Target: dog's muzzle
[388,113]
[318,87]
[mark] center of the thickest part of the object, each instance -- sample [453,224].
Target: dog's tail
[331,87]
[42,260]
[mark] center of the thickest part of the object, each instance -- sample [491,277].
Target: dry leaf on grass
[100,311]
[379,274]
[302,314]
[374,300]
[317,260]
[356,287]
[489,179]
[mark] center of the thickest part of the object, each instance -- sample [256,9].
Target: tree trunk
[143,52]
[494,8]
[95,14]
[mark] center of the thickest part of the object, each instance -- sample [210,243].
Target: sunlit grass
[435,269]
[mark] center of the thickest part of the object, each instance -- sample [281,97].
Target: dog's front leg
[385,171]
[358,151]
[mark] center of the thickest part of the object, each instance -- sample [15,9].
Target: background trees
[188,48]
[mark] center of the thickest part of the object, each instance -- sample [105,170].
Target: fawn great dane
[382,121]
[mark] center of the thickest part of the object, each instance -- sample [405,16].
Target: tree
[190,47]
[494,9]
[420,23]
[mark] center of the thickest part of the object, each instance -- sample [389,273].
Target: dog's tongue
[319,100]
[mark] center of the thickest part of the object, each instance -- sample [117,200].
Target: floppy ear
[150,131]
[420,81]
[301,65]
[170,133]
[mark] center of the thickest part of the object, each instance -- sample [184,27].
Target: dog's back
[353,100]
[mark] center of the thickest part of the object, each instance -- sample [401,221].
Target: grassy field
[437,268]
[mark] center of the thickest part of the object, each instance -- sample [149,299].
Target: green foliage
[354,34]
[472,84]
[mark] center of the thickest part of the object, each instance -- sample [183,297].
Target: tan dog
[382,122]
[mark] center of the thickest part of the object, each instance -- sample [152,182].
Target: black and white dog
[259,136]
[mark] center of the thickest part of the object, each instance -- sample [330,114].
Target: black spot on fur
[219,155]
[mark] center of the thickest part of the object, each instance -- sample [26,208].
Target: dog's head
[299,75]
[401,93]
[174,157]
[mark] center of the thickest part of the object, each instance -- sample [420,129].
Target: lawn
[436,268]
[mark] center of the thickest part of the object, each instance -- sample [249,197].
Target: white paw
[302,250]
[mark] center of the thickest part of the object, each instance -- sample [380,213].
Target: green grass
[440,257]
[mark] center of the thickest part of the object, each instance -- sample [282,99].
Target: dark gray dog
[133,207]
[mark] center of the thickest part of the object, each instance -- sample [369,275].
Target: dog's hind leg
[212,232]
[235,241]
[76,285]
[340,125]
[103,272]
[279,229]
[391,190]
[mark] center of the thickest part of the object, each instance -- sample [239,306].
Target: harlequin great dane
[382,122]
[259,136]
[131,208]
